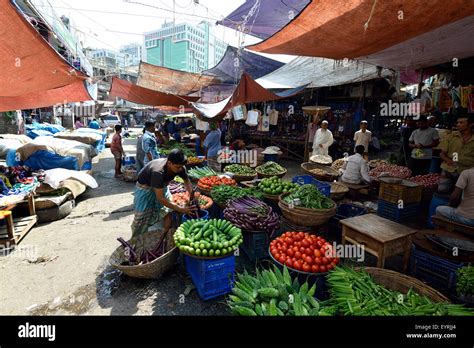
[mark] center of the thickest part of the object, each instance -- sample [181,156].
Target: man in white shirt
[356,168]
[363,137]
[322,140]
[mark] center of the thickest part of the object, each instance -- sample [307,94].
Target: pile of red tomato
[303,252]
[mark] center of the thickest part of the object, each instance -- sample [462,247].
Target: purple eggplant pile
[136,258]
[176,187]
[252,214]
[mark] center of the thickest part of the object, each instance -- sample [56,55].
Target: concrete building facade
[184,47]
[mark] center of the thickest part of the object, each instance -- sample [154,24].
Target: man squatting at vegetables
[151,201]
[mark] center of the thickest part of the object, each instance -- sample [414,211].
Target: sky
[113,23]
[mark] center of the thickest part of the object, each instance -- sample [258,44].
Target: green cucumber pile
[356,293]
[239,169]
[270,168]
[208,238]
[273,293]
[309,197]
[198,173]
[223,193]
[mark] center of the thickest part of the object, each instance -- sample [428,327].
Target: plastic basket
[434,270]
[212,278]
[255,245]
[391,211]
[204,214]
[323,187]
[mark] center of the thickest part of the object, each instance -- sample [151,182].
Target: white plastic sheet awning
[321,72]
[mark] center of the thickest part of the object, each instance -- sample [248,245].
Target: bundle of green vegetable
[198,173]
[465,281]
[166,150]
[223,193]
[308,196]
[270,168]
[272,293]
[208,238]
[276,186]
[356,293]
[239,169]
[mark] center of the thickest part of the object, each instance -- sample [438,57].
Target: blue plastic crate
[324,188]
[392,212]
[212,278]
[436,271]
[255,245]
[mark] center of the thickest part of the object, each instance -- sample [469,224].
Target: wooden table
[14,230]
[380,237]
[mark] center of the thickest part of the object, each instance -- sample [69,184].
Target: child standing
[117,150]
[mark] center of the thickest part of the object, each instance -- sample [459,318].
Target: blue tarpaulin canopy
[266,19]
[234,63]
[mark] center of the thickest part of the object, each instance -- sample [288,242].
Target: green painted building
[184,47]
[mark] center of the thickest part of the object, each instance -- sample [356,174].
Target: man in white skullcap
[322,140]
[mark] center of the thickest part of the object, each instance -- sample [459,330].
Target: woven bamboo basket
[253,184]
[205,192]
[402,283]
[263,176]
[152,270]
[338,191]
[330,173]
[305,216]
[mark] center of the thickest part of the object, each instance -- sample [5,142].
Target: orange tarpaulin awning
[76,92]
[28,63]
[140,95]
[172,81]
[341,29]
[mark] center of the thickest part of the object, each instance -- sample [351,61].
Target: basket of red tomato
[307,256]
[303,252]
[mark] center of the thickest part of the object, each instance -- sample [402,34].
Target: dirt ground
[68,273]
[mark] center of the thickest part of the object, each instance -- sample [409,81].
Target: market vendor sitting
[356,168]
[461,202]
[151,202]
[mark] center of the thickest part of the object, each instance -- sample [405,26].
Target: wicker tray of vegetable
[197,173]
[207,183]
[182,198]
[251,214]
[208,239]
[307,206]
[240,172]
[144,256]
[381,292]
[194,161]
[269,169]
[318,253]
[223,194]
[320,172]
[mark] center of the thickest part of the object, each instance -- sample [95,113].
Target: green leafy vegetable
[309,197]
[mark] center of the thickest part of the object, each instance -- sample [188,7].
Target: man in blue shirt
[149,143]
[94,124]
[212,144]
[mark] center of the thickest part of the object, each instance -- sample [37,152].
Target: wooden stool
[15,230]
[451,226]
[380,237]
